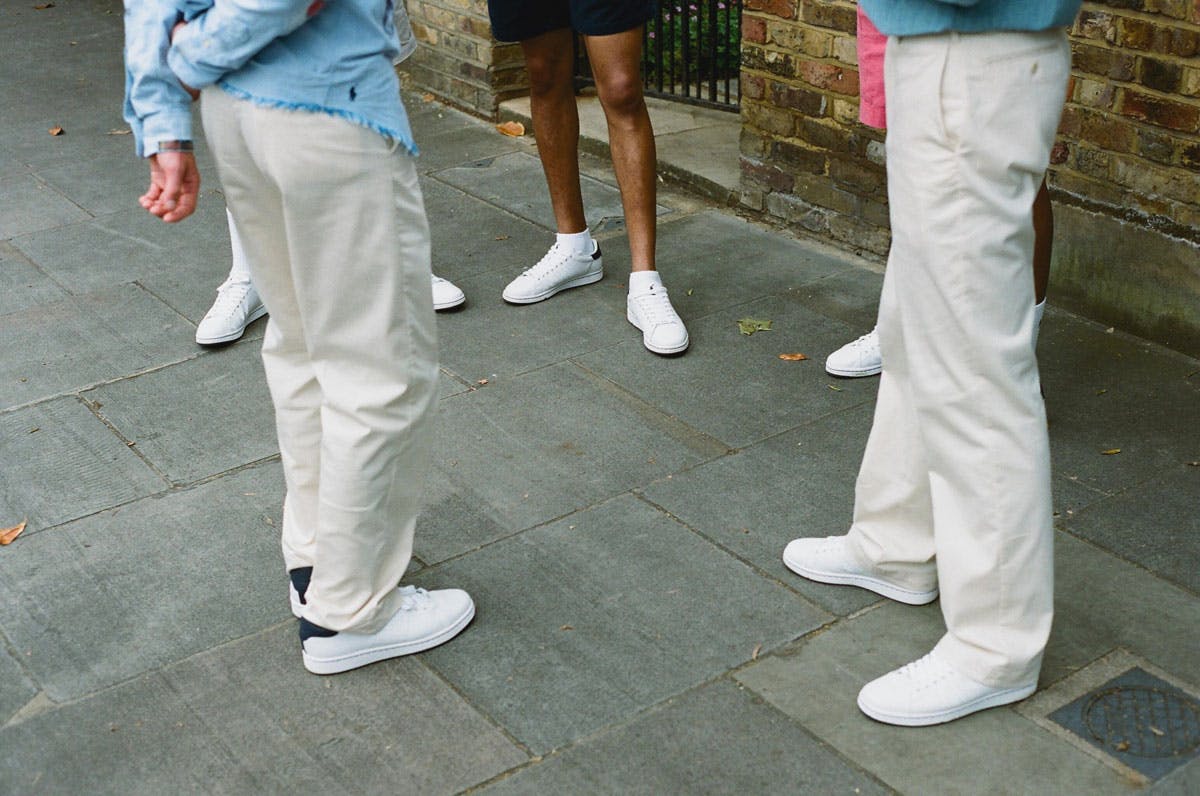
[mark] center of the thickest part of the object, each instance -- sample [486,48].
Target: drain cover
[1143,721]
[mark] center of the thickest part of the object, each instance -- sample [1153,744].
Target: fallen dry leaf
[428,97]
[752,325]
[566,627]
[1123,746]
[7,535]
[515,129]
[1111,452]
[119,132]
[1156,731]
[501,237]
[481,382]
[834,388]
[56,130]
[797,357]
[757,649]
[43,6]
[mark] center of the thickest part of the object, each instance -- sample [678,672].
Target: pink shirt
[872,107]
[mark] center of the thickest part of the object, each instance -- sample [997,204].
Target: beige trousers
[954,488]
[333,224]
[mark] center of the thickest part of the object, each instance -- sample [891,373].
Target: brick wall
[1125,172]
[458,60]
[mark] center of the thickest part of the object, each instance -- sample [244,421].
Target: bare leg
[549,60]
[1043,241]
[616,61]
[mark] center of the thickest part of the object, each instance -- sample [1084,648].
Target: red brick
[827,15]
[779,8]
[1162,112]
[754,29]
[753,87]
[828,76]
[1107,132]
[1102,61]
[1060,153]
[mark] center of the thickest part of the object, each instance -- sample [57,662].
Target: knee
[621,95]
[548,75]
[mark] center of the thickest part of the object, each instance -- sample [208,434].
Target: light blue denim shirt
[334,57]
[919,17]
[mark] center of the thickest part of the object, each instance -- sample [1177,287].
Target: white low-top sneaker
[856,359]
[931,691]
[663,331]
[559,270]
[236,307]
[446,294]
[425,619]
[828,561]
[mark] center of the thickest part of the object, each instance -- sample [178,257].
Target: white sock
[640,281]
[1038,311]
[239,271]
[575,242]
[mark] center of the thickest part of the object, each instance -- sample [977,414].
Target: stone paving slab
[246,718]
[1155,525]
[733,386]
[601,614]
[495,339]
[518,467]
[29,205]
[1102,602]
[71,465]
[1111,392]
[471,237]
[16,689]
[109,597]
[977,754]
[198,418]
[22,284]
[133,245]
[717,739]
[754,502]
[86,339]
[515,182]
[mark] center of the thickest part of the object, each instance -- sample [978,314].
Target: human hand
[174,186]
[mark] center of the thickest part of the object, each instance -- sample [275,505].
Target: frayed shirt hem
[404,140]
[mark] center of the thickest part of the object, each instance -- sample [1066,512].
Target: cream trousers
[954,488]
[333,225]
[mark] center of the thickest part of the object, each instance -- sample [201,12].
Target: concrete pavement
[617,516]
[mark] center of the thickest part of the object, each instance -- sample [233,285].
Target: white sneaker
[828,561]
[425,619]
[446,294]
[559,270]
[236,307]
[662,330]
[858,358]
[931,691]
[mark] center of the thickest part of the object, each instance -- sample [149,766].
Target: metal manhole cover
[1148,724]
[1144,721]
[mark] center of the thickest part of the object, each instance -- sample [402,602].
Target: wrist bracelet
[175,146]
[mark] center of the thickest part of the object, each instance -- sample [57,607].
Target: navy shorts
[517,20]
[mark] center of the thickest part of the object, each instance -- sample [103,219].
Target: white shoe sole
[229,338]
[658,349]
[580,281]
[993,700]
[345,663]
[853,374]
[449,305]
[880,587]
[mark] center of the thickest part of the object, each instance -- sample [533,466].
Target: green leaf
[752,325]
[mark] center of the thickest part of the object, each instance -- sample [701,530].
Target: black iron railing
[691,52]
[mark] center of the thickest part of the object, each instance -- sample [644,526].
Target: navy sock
[308,630]
[301,576]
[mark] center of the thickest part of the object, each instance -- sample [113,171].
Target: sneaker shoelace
[866,341]
[654,307]
[414,598]
[551,261]
[925,668]
[230,296]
